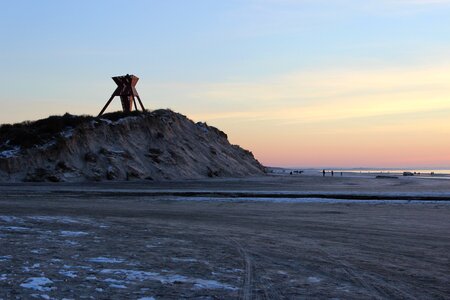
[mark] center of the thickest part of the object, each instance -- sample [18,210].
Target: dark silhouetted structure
[126,90]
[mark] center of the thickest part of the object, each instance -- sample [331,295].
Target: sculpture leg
[135,106]
[140,102]
[127,103]
[106,105]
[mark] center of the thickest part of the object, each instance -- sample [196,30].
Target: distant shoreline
[418,173]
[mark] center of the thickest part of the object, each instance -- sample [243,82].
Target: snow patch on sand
[77,267]
[176,259]
[114,283]
[71,243]
[314,279]
[10,153]
[10,219]
[133,275]
[73,233]
[41,296]
[211,285]
[38,251]
[118,286]
[71,274]
[228,270]
[38,284]
[109,260]
[68,133]
[54,219]
[14,228]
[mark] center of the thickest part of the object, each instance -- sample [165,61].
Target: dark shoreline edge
[213,194]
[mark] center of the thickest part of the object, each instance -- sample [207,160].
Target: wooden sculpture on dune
[126,90]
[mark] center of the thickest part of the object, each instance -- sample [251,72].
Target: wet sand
[130,241]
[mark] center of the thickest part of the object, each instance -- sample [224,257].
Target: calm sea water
[445,173]
[398,171]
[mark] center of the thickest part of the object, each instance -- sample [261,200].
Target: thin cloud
[325,96]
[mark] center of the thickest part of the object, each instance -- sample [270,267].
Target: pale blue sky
[223,61]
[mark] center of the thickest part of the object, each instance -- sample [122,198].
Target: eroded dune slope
[159,145]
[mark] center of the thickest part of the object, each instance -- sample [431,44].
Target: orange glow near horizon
[416,146]
[387,118]
[391,117]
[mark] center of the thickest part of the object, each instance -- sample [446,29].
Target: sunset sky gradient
[306,83]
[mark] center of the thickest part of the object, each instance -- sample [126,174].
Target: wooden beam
[140,102]
[106,105]
[135,106]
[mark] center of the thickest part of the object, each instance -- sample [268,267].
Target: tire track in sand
[246,292]
[253,282]
[380,289]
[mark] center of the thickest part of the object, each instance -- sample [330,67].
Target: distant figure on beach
[332,173]
[341,173]
[323,173]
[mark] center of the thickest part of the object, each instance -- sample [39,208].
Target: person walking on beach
[332,173]
[323,173]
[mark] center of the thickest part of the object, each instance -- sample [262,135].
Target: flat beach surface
[273,237]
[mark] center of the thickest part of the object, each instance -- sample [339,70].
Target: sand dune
[161,145]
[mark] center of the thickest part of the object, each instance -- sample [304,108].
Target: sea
[420,171]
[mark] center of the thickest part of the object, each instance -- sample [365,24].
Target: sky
[300,83]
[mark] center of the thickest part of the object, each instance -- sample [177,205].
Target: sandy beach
[203,240]
[260,149]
